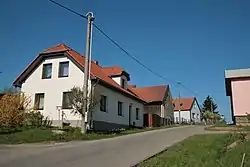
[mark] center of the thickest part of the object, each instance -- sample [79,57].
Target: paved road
[124,151]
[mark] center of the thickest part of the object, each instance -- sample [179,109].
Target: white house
[49,77]
[189,110]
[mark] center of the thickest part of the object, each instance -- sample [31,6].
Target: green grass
[202,151]
[224,127]
[36,135]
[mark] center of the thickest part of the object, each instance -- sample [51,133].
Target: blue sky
[188,41]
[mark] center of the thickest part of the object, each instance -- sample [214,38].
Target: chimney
[96,62]
[134,86]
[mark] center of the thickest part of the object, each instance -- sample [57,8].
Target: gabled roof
[96,70]
[151,93]
[186,103]
[59,47]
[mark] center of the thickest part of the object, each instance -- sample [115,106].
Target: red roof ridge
[56,48]
[153,86]
[113,67]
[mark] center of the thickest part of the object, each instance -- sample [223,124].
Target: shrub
[36,119]
[12,110]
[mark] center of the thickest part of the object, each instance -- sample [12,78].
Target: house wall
[53,89]
[240,96]
[184,115]
[111,118]
[197,113]
[153,109]
[119,80]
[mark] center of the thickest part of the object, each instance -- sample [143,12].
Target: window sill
[46,78]
[63,76]
[104,111]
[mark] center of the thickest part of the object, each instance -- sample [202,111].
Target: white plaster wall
[53,88]
[197,113]
[111,115]
[184,115]
[119,81]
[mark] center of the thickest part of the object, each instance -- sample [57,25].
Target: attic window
[47,71]
[63,69]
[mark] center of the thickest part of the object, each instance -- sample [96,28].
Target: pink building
[238,89]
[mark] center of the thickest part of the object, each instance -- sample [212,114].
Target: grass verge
[202,150]
[231,128]
[36,135]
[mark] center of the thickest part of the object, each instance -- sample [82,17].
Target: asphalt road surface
[123,151]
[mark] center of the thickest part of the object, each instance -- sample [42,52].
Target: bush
[12,110]
[36,119]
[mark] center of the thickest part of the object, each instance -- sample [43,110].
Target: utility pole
[179,101]
[86,69]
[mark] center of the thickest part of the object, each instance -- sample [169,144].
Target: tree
[209,105]
[77,101]
[12,110]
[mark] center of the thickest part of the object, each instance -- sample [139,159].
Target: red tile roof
[59,47]
[115,70]
[96,70]
[151,93]
[186,103]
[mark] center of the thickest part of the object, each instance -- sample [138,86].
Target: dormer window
[123,83]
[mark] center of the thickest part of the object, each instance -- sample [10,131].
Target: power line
[128,54]
[68,9]
[121,48]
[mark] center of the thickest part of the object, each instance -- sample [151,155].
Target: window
[123,83]
[193,114]
[197,116]
[120,108]
[39,101]
[103,103]
[65,101]
[137,113]
[63,69]
[47,71]
[194,106]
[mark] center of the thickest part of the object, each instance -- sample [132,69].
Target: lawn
[203,151]
[35,135]
[225,127]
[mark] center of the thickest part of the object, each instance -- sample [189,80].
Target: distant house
[238,89]
[158,110]
[189,110]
